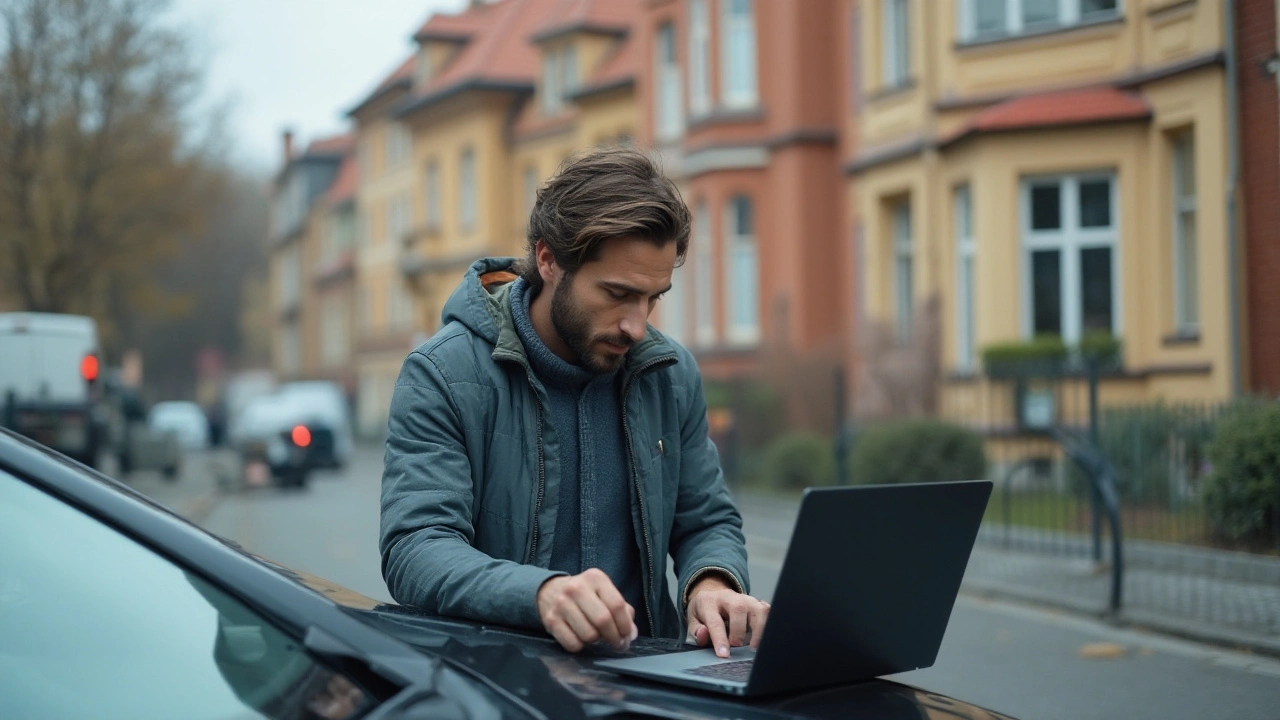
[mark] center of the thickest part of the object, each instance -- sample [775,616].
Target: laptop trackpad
[701,663]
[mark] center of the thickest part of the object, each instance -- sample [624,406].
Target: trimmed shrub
[1046,355]
[913,451]
[799,460]
[1242,492]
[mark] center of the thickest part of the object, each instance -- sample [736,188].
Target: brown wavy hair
[608,193]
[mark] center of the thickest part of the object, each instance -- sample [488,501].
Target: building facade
[1051,168]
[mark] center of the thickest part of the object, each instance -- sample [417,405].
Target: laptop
[867,588]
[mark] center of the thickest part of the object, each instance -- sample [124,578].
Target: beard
[573,324]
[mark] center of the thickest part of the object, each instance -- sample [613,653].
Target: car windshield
[93,624]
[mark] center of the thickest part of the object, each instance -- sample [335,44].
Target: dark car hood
[534,669]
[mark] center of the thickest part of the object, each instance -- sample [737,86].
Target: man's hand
[582,609]
[724,617]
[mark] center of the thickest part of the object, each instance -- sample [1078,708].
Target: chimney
[288,146]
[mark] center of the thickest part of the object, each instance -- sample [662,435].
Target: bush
[1101,347]
[1242,492]
[799,460]
[1044,356]
[1157,450]
[912,451]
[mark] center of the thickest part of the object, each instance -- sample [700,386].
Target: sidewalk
[1212,596]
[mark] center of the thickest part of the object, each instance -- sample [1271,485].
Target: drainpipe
[1233,181]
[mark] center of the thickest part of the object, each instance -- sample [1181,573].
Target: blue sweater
[593,520]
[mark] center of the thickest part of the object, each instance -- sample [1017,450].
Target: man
[547,449]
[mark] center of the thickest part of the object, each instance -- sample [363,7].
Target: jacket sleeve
[427,502]
[706,536]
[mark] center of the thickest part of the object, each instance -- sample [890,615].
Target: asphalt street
[1023,661]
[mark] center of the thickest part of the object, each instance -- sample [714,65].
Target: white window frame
[552,93]
[467,190]
[674,309]
[1186,281]
[568,72]
[699,57]
[738,28]
[1070,14]
[1069,240]
[742,303]
[668,114]
[966,279]
[704,278]
[900,231]
[431,210]
[895,43]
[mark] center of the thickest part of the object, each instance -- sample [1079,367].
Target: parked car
[112,606]
[185,420]
[49,370]
[277,439]
[322,406]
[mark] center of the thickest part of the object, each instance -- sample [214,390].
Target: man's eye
[617,296]
[659,296]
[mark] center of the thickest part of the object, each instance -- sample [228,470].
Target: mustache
[619,340]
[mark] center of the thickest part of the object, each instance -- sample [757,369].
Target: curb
[1226,638]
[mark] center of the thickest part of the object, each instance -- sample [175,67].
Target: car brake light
[89,368]
[301,436]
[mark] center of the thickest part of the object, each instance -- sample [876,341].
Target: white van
[48,370]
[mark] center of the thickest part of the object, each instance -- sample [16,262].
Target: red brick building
[1258,64]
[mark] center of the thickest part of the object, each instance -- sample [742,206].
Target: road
[1023,661]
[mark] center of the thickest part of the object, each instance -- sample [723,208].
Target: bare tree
[97,176]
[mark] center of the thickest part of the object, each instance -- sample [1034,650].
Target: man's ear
[546,261]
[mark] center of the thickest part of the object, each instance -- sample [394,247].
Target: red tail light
[89,368]
[301,436]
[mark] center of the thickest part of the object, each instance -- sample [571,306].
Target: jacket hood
[481,303]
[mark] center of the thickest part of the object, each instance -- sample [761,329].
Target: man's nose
[633,324]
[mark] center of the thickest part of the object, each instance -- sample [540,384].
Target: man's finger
[709,613]
[738,616]
[572,615]
[623,615]
[593,608]
[564,635]
[759,617]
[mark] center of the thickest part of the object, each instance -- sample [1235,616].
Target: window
[290,285]
[703,279]
[895,61]
[699,57]
[399,305]
[530,189]
[673,308]
[965,286]
[569,71]
[988,19]
[551,79]
[667,121]
[398,146]
[742,291]
[738,54]
[81,641]
[904,297]
[366,309]
[334,348]
[1070,240]
[1186,282]
[422,68]
[432,208]
[398,218]
[467,190]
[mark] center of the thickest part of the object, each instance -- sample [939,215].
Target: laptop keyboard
[739,670]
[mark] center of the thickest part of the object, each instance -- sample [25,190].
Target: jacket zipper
[635,480]
[542,491]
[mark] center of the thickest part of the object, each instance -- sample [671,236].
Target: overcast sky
[296,63]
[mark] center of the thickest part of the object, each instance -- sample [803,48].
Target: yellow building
[385,316]
[454,144]
[1052,168]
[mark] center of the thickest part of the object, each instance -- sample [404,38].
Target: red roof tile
[402,74]
[1069,107]
[343,187]
[611,16]
[455,26]
[334,145]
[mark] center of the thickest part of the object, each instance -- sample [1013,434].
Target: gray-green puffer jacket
[471,478]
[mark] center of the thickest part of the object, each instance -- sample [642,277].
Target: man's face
[601,310]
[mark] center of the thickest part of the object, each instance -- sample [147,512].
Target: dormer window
[559,78]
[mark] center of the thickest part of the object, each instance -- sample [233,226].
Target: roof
[1056,109]
[500,53]
[329,146]
[610,17]
[401,77]
[618,69]
[455,27]
[343,187]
